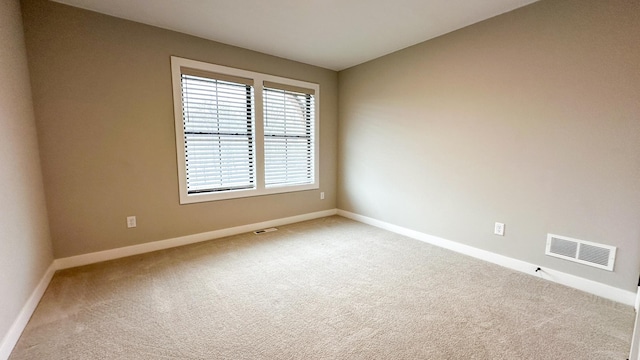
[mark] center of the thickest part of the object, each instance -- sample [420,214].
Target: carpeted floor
[323,289]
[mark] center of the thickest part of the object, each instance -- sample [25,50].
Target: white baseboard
[576,282]
[91,258]
[13,335]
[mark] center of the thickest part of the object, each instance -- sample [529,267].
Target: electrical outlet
[322,195]
[131,221]
[498,229]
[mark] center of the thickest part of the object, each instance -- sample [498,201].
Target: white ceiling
[334,34]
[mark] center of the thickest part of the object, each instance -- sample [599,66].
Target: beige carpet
[324,289]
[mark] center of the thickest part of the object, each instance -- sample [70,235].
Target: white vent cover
[580,251]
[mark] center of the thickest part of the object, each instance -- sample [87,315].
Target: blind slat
[288,88]
[204,75]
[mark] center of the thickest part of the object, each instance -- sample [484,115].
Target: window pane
[288,137]
[218,134]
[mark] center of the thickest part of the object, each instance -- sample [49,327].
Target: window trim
[259,80]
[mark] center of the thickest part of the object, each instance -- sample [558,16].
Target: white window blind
[218,118]
[288,135]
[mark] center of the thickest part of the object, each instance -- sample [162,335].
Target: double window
[241,133]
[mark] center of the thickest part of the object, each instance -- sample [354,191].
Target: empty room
[417,179]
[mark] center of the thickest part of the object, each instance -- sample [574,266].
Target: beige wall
[25,248]
[531,118]
[104,109]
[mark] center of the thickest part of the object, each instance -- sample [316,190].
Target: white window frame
[258,79]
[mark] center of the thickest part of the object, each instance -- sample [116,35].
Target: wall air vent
[580,251]
[258,232]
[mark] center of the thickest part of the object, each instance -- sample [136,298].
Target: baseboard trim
[96,257]
[15,331]
[576,282]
